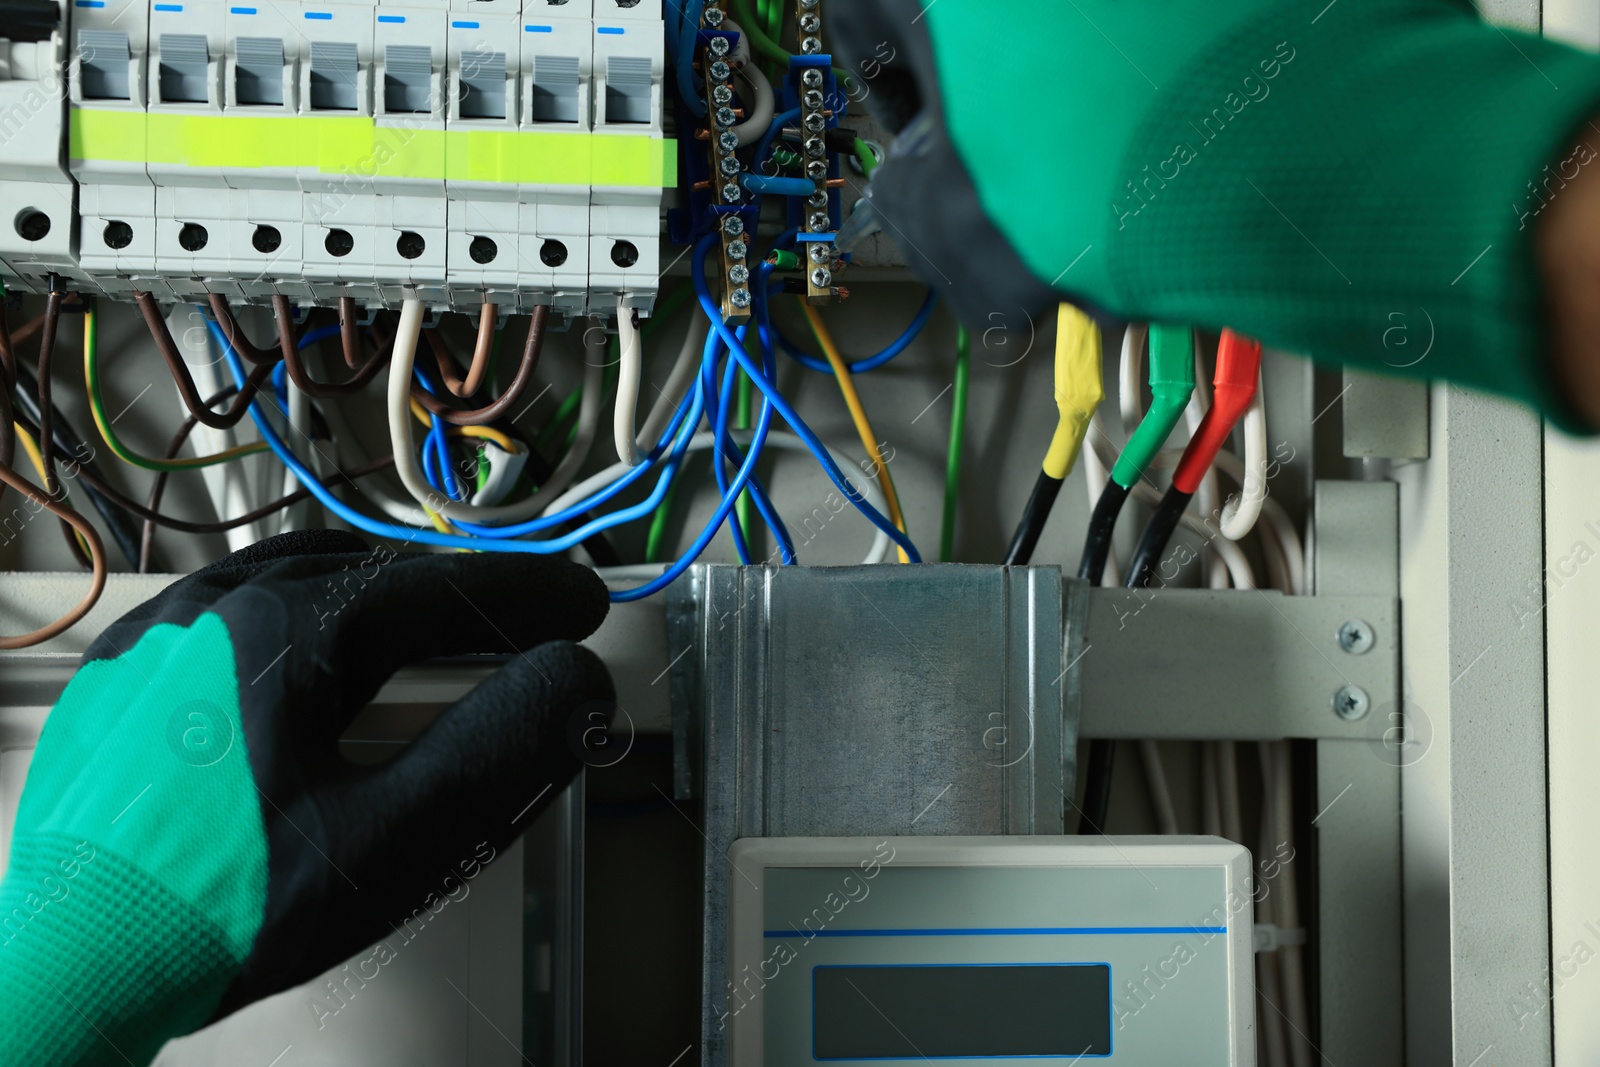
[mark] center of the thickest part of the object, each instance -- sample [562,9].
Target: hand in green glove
[1314,174]
[189,839]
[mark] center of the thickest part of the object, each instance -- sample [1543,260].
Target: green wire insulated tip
[783,259]
[786,157]
[1171,386]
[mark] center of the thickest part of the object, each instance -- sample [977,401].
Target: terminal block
[457,151]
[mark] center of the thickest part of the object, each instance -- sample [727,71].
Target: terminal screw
[1356,637]
[1351,703]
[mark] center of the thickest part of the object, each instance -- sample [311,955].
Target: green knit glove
[189,839]
[1313,174]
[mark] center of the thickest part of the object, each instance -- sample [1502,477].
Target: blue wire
[432,537]
[740,480]
[703,291]
[686,409]
[763,183]
[867,363]
[719,401]
[439,444]
[688,33]
[726,447]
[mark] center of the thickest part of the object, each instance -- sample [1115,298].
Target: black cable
[1156,535]
[1034,516]
[70,447]
[1101,762]
[1102,524]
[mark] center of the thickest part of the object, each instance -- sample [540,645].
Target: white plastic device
[1057,950]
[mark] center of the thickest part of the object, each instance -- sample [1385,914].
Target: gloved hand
[189,839]
[1359,182]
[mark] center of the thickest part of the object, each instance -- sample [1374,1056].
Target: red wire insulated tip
[1233,387]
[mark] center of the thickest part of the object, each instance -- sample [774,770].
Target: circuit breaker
[457,151]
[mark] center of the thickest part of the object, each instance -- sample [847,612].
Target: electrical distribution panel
[461,151]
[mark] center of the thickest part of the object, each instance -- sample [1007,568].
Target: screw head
[728,141]
[820,252]
[720,46]
[739,298]
[725,117]
[1356,637]
[813,99]
[817,170]
[822,277]
[737,250]
[1351,703]
[722,94]
[815,122]
[731,193]
[730,165]
[819,222]
[811,22]
[720,71]
[812,78]
[811,45]
[739,274]
[713,16]
[732,225]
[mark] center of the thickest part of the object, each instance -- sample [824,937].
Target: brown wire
[496,410]
[47,443]
[482,351]
[297,370]
[242,344]
[350,332]
[97,554]
[162,333]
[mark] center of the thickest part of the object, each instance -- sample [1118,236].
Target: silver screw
[729,165]
[1356,637]
[820,252]
[738,274]
[722,94]
[713,16]
[816,122]
[819,222]
[720,46]
[810,22]
[732,225]
[738,250]
[811,45]
[812,78]
[821,277]
[813,99]
[720,71]
[728,141]
[739,298]
[817,170]
[726,117]
[731,193]
[1351,703]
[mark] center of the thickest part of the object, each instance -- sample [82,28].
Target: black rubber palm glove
[190,840]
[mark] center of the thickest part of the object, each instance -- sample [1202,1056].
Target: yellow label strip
[360,147]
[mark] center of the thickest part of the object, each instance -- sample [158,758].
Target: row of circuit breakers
[460,151]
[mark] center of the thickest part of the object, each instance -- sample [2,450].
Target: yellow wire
[486,433]
[36,457]
[858,415]
[1078,385]
[482,433]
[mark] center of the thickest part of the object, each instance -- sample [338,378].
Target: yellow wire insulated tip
[1079,387]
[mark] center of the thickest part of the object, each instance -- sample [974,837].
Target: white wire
[881,546]
[1155,776]
[1194,414]
[348,449]
[679,381]
[1275,522]
[630,369]
[1240,513]
[1232,556]
[405,456]
[228,484]
[762,106]
[1129,398]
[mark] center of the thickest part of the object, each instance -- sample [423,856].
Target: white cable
[405,455]
[299,414]
[1155,776]
[761,107]
[1275,522]
[350,454]
[1129,398]
[1206,496]
[679,381]
[881,546]
[630,368]
[1239,570]
[228,484]
[1240,513]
